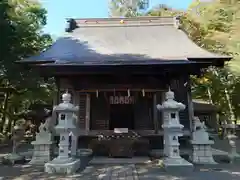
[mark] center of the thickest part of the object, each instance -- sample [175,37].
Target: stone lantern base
[42,152]
[172,164]
[62,166]
[13,158]
[202,152]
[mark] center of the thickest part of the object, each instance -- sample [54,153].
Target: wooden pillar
[87,118]
[190,106]
[163,98]
[74,136]
[155,114]
[76,96]
[82,111]
[56,101]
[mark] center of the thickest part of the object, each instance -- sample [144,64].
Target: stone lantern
[172,131]
[66,114]
[233,155]
[17,136]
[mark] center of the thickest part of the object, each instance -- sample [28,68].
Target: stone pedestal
[172,131]
[41,153]
[62,166]
[42,147]
[202,150]
[13,158]
[63,163]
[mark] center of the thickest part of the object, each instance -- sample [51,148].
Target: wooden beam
[87,119]
[111,90]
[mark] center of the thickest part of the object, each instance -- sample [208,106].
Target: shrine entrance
[121,112]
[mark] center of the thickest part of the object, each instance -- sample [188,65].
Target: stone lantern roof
[170,103]
[66,105]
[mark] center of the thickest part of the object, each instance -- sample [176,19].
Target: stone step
[106,160]
[125,172]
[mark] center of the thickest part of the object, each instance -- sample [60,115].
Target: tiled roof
[204,106]
[123,39]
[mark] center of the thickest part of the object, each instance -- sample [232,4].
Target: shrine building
[118,69]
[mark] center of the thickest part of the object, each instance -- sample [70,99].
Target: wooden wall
[99,118]
[100,113]
[143,113]
[143,110]
[179,86]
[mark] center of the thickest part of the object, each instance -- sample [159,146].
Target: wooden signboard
[121,100]
[120,130]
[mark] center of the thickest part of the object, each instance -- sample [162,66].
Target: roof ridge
[133,21]
[125,18]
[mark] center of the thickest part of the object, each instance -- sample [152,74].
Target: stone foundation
[177,164]
[202,153]
[41,153]
[62,166]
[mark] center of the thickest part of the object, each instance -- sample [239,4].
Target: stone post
[63,163]
[233,155]
[172,130]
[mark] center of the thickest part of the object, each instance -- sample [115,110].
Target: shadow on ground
[216,172]
[149,171]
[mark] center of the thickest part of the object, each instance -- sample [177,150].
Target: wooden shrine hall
[117,70]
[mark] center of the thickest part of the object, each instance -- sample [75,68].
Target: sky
[59,10]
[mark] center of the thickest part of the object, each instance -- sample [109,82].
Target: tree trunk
[232,116]
[209,95]
[9,124]
[5,106]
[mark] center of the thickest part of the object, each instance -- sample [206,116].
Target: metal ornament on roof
[71,25]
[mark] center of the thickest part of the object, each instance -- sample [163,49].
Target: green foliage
[214,26]
[21,24]
[122,8]
[163,10]
[220,23]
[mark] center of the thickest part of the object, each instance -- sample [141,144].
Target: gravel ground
[145,172]
[218,172]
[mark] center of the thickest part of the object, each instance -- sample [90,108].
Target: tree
[213,26]
[126,8]
[220,24]
[163,10]
[216,26]
[21,24]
